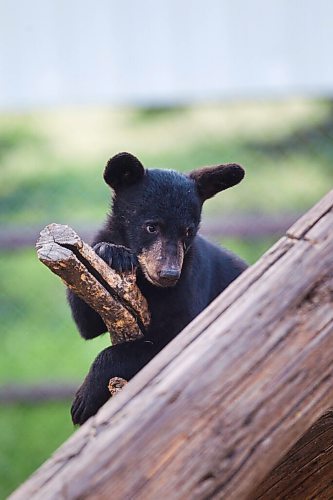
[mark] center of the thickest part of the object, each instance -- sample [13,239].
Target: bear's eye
[151,228]
[189,232]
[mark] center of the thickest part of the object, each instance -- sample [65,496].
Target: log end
[116,384]
[52,253]
[58,233]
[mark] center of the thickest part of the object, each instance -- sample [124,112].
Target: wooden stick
[220,406]
[115,297]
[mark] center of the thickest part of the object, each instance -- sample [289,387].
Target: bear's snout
[162,262]
[169,276]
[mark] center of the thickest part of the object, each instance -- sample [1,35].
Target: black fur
[152,206]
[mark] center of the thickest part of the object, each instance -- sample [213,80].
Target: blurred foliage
[51,162]
[51,166]
[29,434]
[40,342]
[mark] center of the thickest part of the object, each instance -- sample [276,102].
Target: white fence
[162,51]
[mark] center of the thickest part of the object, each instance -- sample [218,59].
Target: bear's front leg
[122,360]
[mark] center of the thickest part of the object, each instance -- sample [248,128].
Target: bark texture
[306,471]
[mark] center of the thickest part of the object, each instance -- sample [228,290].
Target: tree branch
[115,297]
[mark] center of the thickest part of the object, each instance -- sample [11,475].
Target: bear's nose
[169,275]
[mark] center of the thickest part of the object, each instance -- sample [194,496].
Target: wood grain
[221,405]
[115,297]
[307,469]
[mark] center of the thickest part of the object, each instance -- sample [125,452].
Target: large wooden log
[220,406]
[115,297]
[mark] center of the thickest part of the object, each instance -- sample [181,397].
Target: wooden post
[220,406]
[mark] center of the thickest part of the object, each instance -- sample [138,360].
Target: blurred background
[180,85]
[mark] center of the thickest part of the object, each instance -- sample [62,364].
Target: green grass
[51,171]
[40,342]
[29,434]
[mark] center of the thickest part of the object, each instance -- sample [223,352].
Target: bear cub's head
[156,213]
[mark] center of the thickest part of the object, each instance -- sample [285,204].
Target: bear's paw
[118,257]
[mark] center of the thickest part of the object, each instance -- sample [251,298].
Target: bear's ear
[212,180]
[122,170]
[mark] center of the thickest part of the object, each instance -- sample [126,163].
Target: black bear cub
[153,228]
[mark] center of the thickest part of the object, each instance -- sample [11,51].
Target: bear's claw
[87,403]
[118,257]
